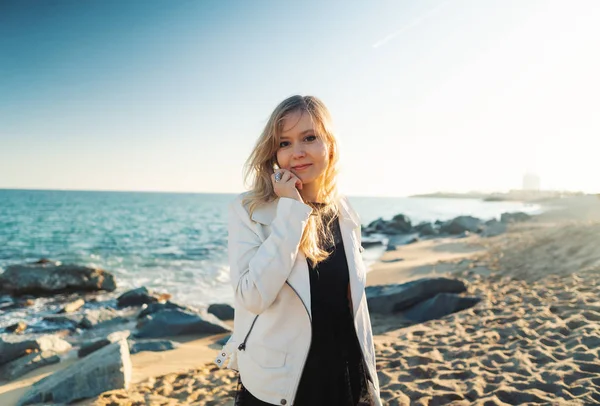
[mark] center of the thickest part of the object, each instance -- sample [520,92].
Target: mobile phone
[275,166]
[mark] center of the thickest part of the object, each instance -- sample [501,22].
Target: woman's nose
[299,150]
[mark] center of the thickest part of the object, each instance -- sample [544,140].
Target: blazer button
[283,401]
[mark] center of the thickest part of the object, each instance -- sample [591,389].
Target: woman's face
[300,145]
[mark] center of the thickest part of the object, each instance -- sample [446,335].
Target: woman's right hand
[288,186]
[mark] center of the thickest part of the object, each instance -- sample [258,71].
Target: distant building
[531,182]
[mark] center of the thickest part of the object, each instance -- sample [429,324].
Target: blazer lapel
[298,278]
[265,213]
[350,227]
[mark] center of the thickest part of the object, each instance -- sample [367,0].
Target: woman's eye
[310,138]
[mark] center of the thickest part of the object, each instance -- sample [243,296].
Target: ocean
[170,242]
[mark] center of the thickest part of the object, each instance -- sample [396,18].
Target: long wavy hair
[259,168]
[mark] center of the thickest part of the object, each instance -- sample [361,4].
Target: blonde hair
[259,167]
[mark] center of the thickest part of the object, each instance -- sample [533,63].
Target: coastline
[489,265]
[526,196]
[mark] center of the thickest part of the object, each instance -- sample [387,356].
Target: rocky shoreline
[400,230]
[76,323]
[71,312]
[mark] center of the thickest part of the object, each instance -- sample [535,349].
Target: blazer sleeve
[259,269]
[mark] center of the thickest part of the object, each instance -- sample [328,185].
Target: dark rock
[69,322]
[27,363]
[493,228]
[222,311]
[370,243]
[391,247]
[96,318]
[392,260]
[177,322]
[388,299]
[439,306]
[401,223]
[152,345]
[376,225]
[107,369]
[136,297]
[64,318]
[49,277]
[90,346]
[156,307]
[461,224]
[514,217]
[413,240]
[426,228]
[16,346]
[417,228]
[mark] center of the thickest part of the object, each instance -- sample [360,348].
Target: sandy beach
[533,339]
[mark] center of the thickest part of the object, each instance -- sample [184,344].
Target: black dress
[334,373]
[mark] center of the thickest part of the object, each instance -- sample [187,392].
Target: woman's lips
[299,168]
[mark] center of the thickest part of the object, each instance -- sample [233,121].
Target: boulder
[461,224]
[426,228]
[368,243]
[400,223]
[493,228]
[16,346]
[106,369]
[52,277]
[61,322]
[152,345]
[514,217]
[439,306]
[173,322]
[156,307]
[391,247]
[387,261]
[136,297]
[222,311]
[101,317]
[376,225]
[27,363]
[90,346]
[389,299]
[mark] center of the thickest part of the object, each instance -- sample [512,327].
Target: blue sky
[452,95]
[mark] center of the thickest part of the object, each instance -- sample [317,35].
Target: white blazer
[269,274]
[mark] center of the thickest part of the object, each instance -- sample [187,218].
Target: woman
[302,332]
